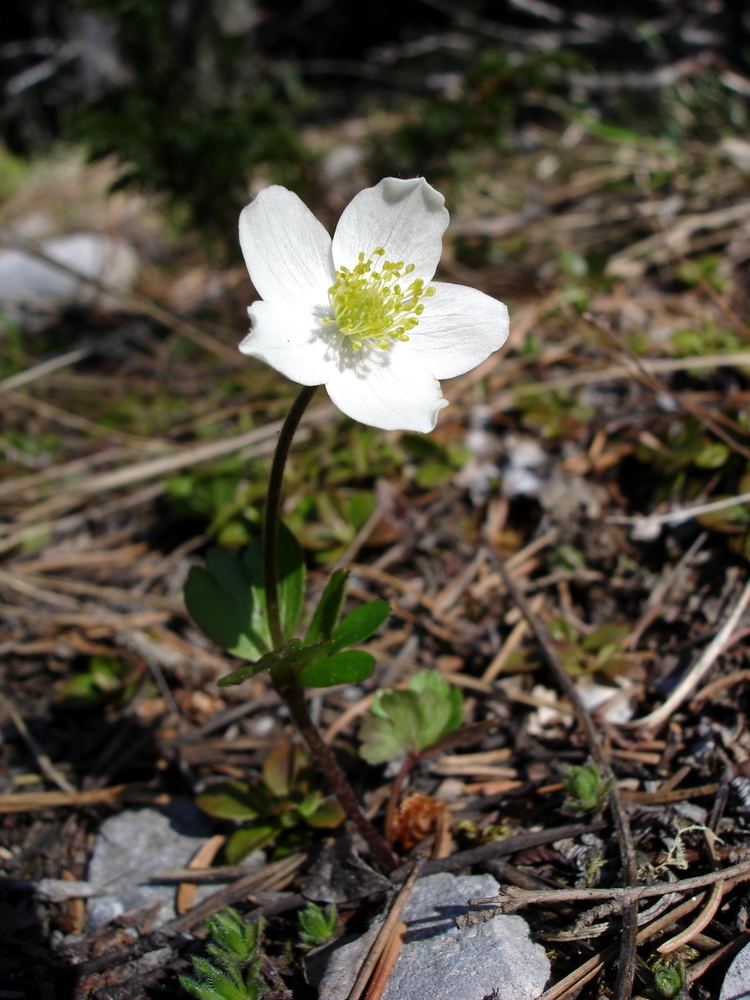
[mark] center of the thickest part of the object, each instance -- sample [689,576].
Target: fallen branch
[514,898]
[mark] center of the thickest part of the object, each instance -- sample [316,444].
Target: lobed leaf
[410,721]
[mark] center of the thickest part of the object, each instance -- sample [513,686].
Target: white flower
[360,313]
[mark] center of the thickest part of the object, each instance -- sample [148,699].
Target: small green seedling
[601,652]
[669,978]
[317,926]
[410,721]
[586,789]
[235,972]
[106,680]
[275,810]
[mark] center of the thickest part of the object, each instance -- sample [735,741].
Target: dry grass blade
[699,669]
[45,765]
[626,964]
[385,935]
[22,802]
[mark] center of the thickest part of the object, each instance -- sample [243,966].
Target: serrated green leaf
[348,667]
[361,623]
[388,736]
[410,721]
[329,608]
[439,707]
[233,800]
[248,839]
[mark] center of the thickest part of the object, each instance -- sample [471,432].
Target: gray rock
[736,985]
[27,281]
[440,962]
[132,847]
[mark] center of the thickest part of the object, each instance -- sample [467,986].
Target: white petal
[459,329]
[286,249]
[406,218]
[384,389]
[290,338]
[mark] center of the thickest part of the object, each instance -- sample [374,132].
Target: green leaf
[361,623]
[233,800]
[107,673]
[440,706]
[291,573]
[610,634]
[328,815]
[432,474]
[410,721]
[329,608]
[227,599]
[292,657]
[349,667]
[248,839]
[317,925]
[245,673]
[222,601]
[232,937]
[712,455]
[79,692]
[282,768]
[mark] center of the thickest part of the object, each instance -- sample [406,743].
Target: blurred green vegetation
[208,98]
[196,115]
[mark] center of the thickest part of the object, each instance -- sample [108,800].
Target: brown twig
[45,765]
[626,964]
[501,848]
[698,670]
[255,881]
[514,898]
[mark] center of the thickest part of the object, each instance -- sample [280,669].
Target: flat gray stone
[440,962]
[736,985]
[132,847]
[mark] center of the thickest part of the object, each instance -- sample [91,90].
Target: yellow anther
[371,307]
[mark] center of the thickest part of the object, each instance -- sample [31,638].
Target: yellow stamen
[370,307]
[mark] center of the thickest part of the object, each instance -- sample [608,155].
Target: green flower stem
[292,693]
[272,510]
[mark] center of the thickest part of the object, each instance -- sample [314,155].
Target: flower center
[371,307]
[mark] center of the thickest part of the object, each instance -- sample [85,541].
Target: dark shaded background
[194,96]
